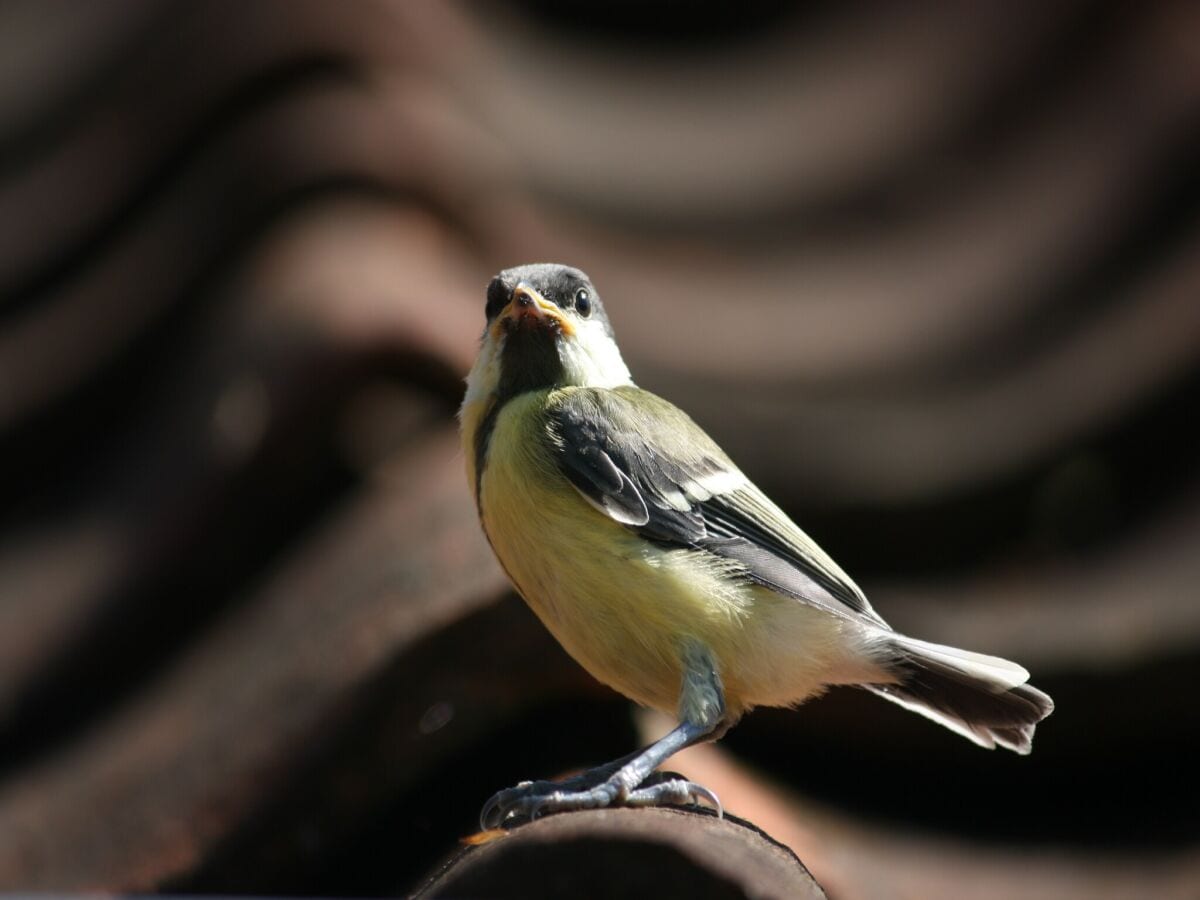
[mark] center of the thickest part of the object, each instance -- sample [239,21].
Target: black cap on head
[566,287]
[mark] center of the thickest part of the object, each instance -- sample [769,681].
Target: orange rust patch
[483,837]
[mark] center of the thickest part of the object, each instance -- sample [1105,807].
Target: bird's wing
[611,445]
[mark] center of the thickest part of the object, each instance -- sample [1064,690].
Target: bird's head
[546,328]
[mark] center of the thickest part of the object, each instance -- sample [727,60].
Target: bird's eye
[583,302]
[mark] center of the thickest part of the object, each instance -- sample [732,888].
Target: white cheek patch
[484,377]
[592,359]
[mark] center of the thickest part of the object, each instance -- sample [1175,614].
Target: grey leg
[702,707]
[608,786]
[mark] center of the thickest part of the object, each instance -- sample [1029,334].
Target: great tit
[662,569]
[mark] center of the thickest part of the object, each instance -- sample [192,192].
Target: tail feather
[983,698]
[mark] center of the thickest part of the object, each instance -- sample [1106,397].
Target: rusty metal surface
[930,275]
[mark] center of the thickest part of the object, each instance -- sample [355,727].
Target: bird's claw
[532,799]
[674,792]
[519,800]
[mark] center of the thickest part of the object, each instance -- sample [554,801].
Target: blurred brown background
[931,275]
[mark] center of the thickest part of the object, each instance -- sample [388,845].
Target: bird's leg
[702,709]
[613,783]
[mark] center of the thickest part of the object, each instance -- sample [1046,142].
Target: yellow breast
[622,606]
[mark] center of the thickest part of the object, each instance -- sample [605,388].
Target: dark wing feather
[608,444]
[774,549]
[594,473]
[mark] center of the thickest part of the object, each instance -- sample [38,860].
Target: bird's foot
[531,799]
[672,789]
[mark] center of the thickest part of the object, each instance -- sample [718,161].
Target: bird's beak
[528,305]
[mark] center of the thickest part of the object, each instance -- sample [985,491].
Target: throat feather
[529,361]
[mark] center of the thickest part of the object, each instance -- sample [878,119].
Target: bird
[662,569]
